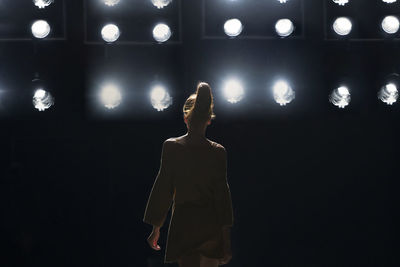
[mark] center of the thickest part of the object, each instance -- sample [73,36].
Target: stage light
[233,27]
[110,33]
[340,97]
[390,24]
[161,3]
[111,2]
[233,91]
[389,1]
[284,27]
[283,1]
[110,96]
[160,98]
[161,32]
[342,26]
[43,3]
[283,93]
[40,29]
[389,94]
[42,100]
[341,2]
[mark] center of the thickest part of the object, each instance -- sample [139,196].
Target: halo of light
[42,3]
[390,24]
[110,96]
[111,2]
[284,27]
[283,93]
[389,94]
[342,26]
[110,33]
[40,29]
[233,91]
[161,32]
[233,27]
[42,99]
[161,3]
[340,97]
[160,98]
[283,1]
[341,2]
[389,1]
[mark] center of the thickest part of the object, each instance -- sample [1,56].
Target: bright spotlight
[233,27]
[161,32]
[42,100]
[284,27]
[110,33]
[390,24]
[40,29]
[43,3]
[283,93]
[389,1]
[342,26]
[110,96]
[161,3]
[283,1]
[111,2]
[389,94]
[340,97]
[341,2]
[233,91]
[160,98]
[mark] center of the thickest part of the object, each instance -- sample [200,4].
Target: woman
[193,175]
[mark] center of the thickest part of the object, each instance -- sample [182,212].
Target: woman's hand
[153,238]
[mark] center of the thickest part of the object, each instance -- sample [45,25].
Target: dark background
[311,184]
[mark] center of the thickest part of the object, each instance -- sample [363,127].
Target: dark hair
[198,107]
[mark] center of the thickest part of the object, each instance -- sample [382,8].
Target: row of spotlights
[161,33]
[234,27]
[111,97]
[157,3]
[343,25]
[344,2]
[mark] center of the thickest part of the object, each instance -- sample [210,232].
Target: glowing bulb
[340,97]
[40,29]
[342,26]
[233,91]
[341,2]
[283,1]
[283,93]
[42,100]
[110,96]
[161,3]
[43,3]
[160,98]
[111,2]
[161,32]
[110,33]
[233,27]
[284,27]
[389,94]
[390,24]
[389,1]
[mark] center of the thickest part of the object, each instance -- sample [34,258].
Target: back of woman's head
[198,107]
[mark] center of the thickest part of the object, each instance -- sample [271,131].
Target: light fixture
[161,3]
[233,27]
[284,27]
[389,1]
[233,91]
[283,93]
[110,33]
[341,2]
[390,24]
[160,98]
[342,26]
[40,29]
[283,1]
[161,32]
[110,96]
[340,97]
[43,3]
[389,93]
[42,99]
[111,2]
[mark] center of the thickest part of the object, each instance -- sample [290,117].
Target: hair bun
[203,98]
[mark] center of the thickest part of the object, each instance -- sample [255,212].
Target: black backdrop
[312,185]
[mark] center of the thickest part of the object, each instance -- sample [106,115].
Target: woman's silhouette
[193,175]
